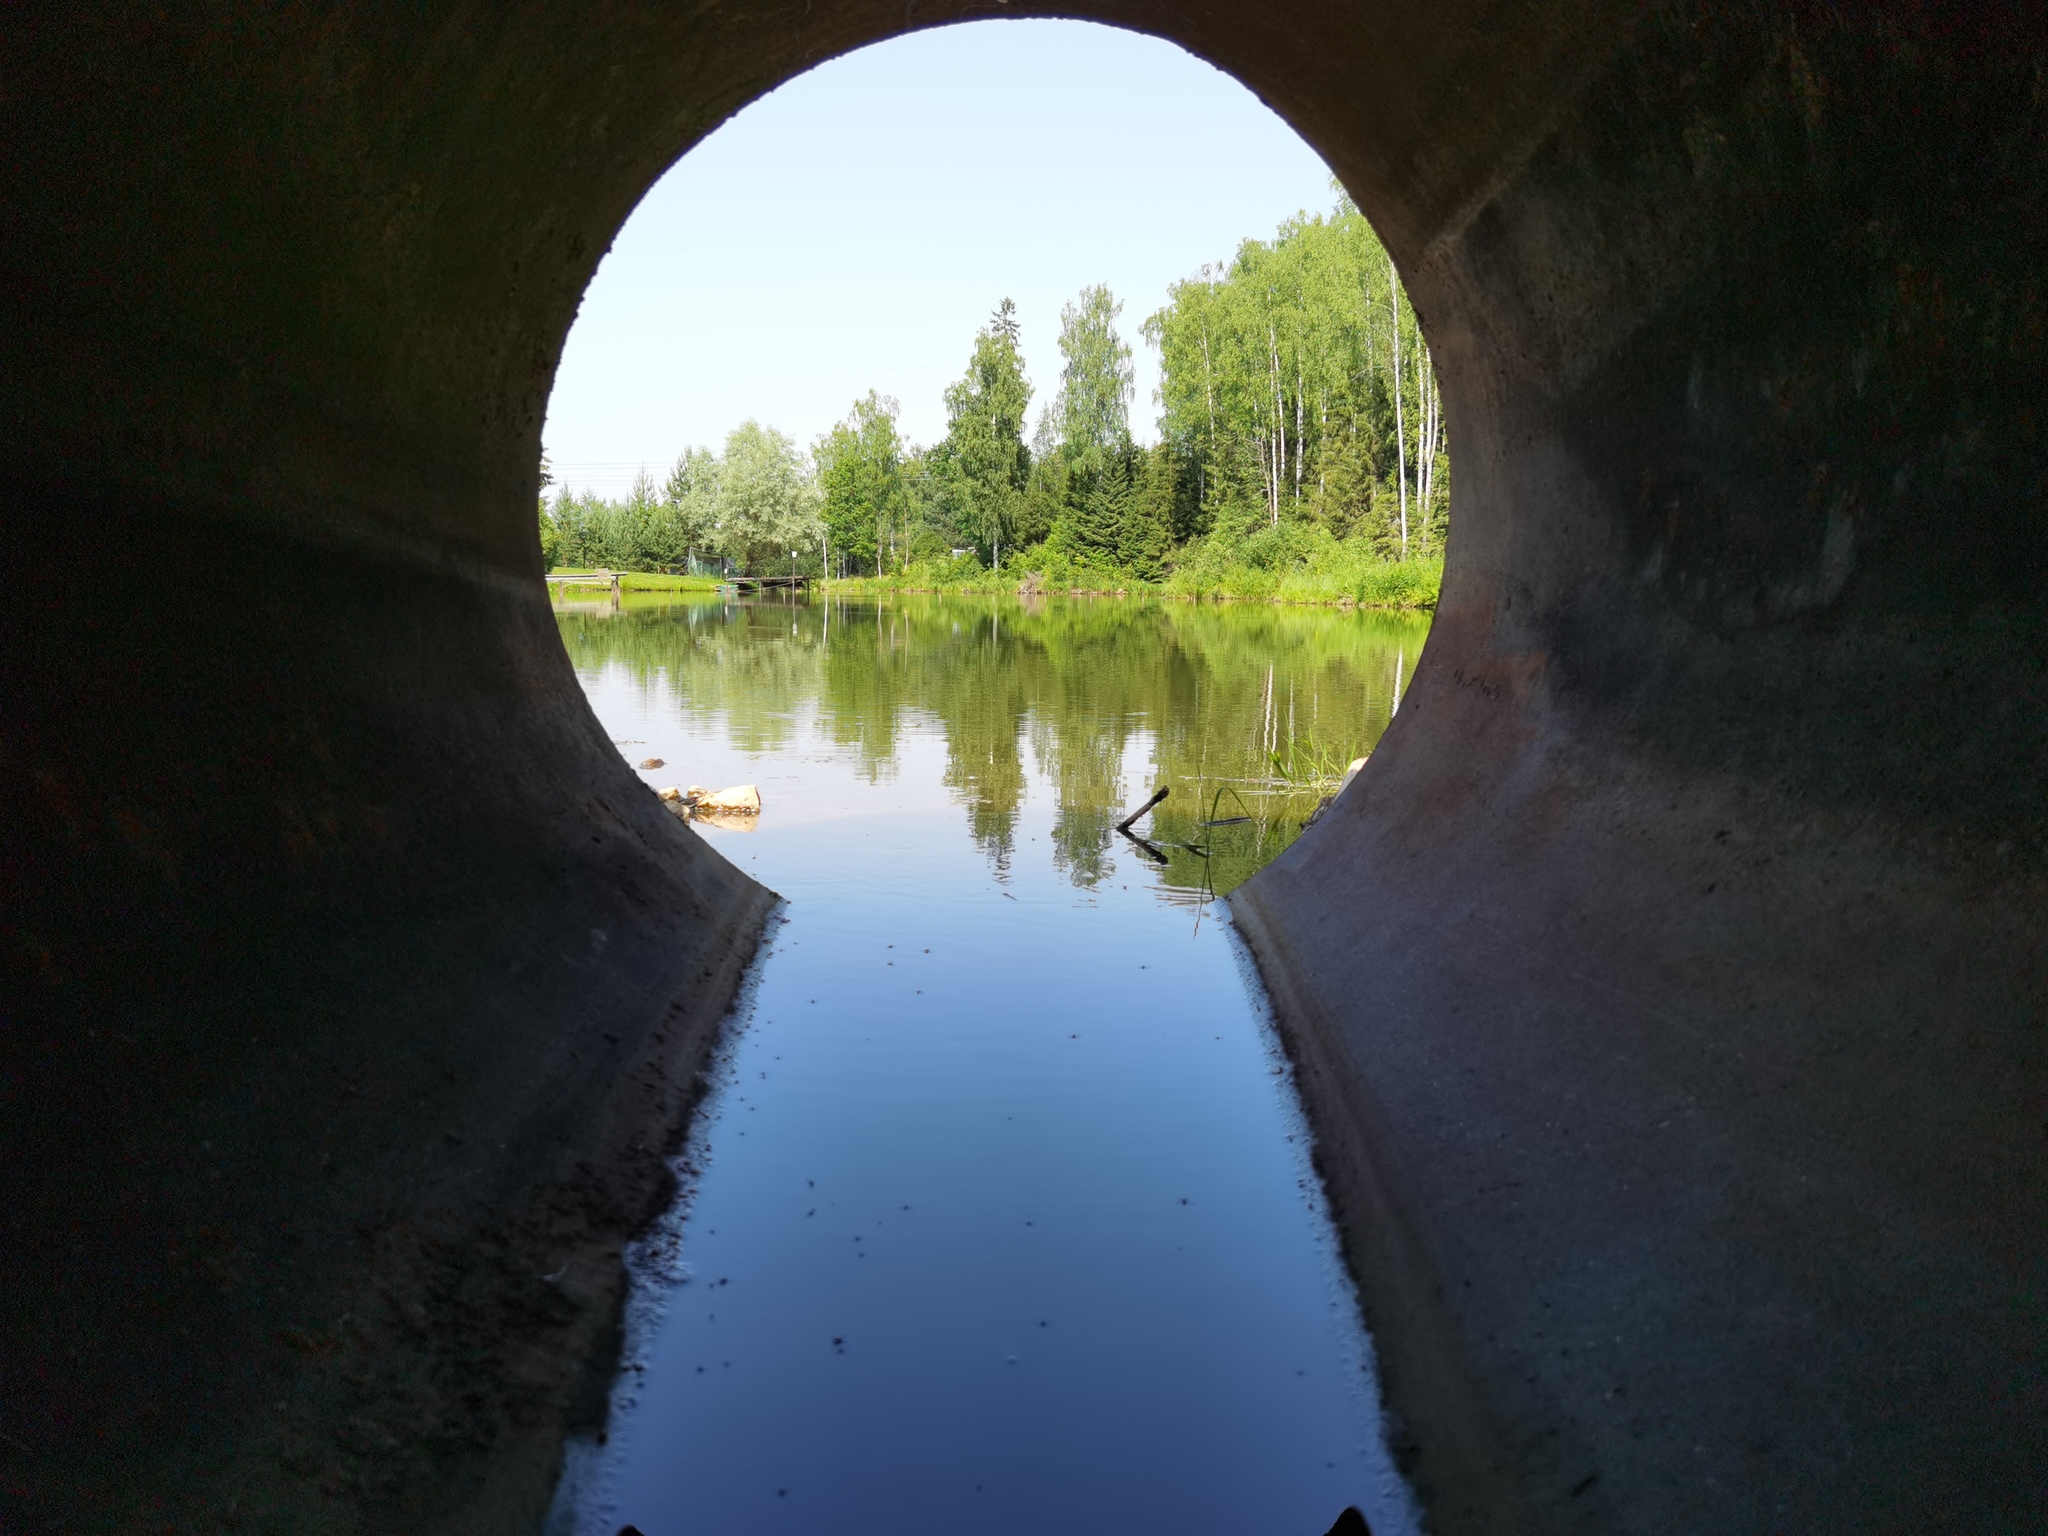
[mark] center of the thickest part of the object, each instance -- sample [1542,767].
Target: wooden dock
[769,583]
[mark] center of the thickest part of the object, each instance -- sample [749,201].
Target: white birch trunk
[1422,438]
[1208,380]
[1323,442]
[1400,426]
[1276,469]
[1300,430]
[1435,442]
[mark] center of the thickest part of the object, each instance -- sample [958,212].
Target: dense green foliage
[753,504]
[1302,449]
[1096,498]
[645,531]
[1297,383]
[1290,564]
[860,481]
[1101,701]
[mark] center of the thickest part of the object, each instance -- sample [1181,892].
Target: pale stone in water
[741,797]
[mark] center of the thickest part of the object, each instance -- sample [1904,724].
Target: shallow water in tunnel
[1000,1215]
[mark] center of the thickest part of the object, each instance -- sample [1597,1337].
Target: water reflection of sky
[1001,1218]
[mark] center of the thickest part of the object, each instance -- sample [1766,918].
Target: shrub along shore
[1327,572]
[1335,575]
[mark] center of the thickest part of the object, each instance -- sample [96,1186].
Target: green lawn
[646,581]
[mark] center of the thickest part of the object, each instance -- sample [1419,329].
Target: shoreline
[867,587]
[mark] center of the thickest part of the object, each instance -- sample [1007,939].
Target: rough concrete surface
[343,1067]
[1669,990]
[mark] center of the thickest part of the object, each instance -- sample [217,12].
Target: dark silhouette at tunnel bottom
[1350,1523]
[1668,994]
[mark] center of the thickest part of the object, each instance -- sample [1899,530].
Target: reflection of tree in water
[1097,691]
[864,693]
[1209,693]
[1086,770]
[981,692]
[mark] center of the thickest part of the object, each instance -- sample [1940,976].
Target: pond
[1000,1215]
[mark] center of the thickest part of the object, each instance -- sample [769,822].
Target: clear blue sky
[854,229]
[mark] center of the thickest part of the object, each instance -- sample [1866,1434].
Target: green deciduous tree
[691,494]
[1094,404]
[766,504]
[860,481]
[550,539]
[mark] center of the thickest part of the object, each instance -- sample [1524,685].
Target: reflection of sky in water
[1008,1227]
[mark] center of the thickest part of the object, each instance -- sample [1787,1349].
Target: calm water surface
[1000,1218]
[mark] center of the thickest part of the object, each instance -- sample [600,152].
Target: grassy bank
[1274,571]
[645,581]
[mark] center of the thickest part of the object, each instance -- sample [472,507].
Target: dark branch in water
[1124,826]
[1143,847]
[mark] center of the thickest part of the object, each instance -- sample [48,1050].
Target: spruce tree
[1093,416]
[984,461]
[1090,521]
[1145,532]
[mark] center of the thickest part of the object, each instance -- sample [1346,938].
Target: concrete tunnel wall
[1669,996]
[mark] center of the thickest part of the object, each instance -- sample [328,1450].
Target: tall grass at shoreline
[1330,573]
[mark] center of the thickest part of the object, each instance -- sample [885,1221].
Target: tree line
[1298,406]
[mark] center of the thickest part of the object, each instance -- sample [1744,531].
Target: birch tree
[1297,385]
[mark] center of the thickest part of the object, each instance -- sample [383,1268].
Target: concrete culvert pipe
[1669,988]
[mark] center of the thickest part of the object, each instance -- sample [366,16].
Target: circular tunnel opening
[925,501]
[1668,1011]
